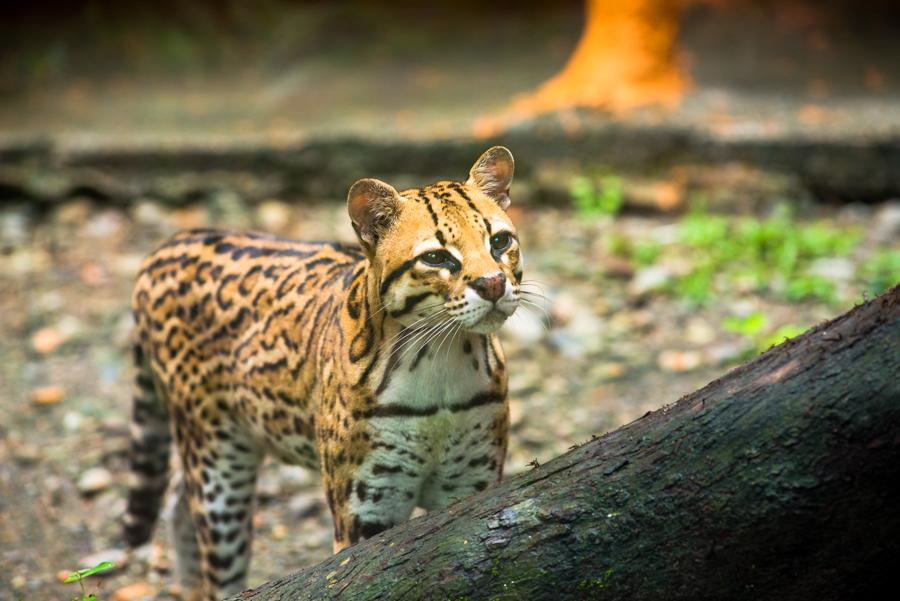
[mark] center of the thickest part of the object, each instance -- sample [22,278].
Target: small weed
[754,328]
[749,326]
[80,575]
[597,199]
[754,254]
[882,271]
[646,252]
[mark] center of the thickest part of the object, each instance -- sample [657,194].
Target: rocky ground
[640,309]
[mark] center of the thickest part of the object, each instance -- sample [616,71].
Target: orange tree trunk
[626,58]
[777,481]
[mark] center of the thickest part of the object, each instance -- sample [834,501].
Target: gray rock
[649,279]
[887,222]
[94,480]
[305,505]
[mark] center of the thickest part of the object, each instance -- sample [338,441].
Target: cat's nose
[490,287]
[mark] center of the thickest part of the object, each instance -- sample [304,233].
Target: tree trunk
[777,481]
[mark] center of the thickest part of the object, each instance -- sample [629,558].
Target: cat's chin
[490,323]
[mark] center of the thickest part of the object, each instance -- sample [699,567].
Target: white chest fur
[433,419]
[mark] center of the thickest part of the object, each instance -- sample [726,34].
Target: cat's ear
[492,173]
[373,207]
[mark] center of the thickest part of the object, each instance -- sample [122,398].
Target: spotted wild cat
[378,365]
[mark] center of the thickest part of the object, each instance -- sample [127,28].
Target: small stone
[189,217]
[564,308]
[723,353]
[834,269]
[46,340]
[267,486]
[273,215]
[610,371]
[279,531]
[105,224]
[147,212]
[304,505]
[72,421]
[118,557]
[699,332]
[74,211]
[295,477]
[887,222]
[94,480]
[516,413]
[649,279]
[135,592]
[678,361]
[93,273]
[48,395]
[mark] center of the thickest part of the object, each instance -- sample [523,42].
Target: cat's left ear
[492,173]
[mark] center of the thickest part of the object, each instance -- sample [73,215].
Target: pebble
[649,279]
[74,211]
[14,228]
[189,217]
[147,212]
[835,269]
[273,215]
[679,361]
[279,531]
[135,592]
[48,395]
[609,371]
[94,480]
[72,421]
[46,340]
[516,413]
[267,486]
[105,223]
[698,331]
[295,476]
[887,222]
[305,505]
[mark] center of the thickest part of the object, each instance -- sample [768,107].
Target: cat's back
[202,292]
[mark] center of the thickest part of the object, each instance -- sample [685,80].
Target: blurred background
[696,181]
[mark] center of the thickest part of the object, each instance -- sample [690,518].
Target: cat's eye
[439,258]
[500,241]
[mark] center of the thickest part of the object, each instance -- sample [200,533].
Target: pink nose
[490,287]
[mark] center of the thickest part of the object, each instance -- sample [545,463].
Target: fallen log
[777,481]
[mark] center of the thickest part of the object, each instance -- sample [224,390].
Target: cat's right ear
[373,207]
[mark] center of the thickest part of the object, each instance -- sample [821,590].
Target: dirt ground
[611,346]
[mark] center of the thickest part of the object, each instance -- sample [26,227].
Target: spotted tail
[151,442]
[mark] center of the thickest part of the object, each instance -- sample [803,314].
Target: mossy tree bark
[777,481]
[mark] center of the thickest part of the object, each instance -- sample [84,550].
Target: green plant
[750,325]
[753,253]
[80,575]
[597,199]
[882,271]
[646,252]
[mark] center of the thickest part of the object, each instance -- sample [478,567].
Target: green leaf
[82,574]
[748,326]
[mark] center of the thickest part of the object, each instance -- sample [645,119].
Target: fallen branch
[776,481]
